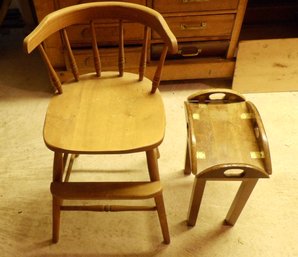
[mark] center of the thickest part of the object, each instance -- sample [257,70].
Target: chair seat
[94,121]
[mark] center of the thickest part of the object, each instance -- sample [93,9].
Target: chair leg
[154,176]
[157,153]
[187,166]
[195,201]
[152,165]
[162,218]
[58,168]
[240,200]
[56,219]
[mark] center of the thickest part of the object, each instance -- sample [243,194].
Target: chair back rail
[121,49]
[73,64]
[59,20]
[96,57]
[143,59]
[53,75]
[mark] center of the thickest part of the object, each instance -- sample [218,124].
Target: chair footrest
[105,190]
[106,208]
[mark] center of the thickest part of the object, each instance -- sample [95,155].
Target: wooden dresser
[207,32]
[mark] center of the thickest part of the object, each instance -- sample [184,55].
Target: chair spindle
[157,75]
[53,75]
[73,64]
[143,59]
[121,49]
[96,57]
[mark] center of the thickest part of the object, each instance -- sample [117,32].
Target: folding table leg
[187,166]
[195,201]
[240,200]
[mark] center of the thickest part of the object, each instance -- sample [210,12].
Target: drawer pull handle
[203,25]
[191,1]
[189,51]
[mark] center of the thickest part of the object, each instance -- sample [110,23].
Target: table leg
[195,201]
[187,166]
[240,200]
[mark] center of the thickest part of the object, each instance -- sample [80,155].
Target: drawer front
[106,34]
[109,59]
[167,6]
[219,26]
[65,3]
[194,50]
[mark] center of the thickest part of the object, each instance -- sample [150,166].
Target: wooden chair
[226,142]
[104,112]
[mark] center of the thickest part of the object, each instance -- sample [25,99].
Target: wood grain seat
[103,106]
[226,141]
[104,112]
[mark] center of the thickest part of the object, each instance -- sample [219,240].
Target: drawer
[167,6]
[109,58]
[106,34]
[194,50]
[219,26]
[65,3]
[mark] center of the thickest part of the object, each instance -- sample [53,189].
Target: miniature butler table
[227,142]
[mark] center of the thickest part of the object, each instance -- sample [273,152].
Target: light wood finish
[144,57]
[227,142]
[240,200]
[72,60]
[267,66]
[97,63]
[104,112]
[200,22]
[76,128]
[52,73]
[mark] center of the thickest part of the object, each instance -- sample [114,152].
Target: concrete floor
[267,226]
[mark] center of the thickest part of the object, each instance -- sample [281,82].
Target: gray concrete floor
[267,226]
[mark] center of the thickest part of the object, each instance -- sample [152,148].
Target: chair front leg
[58,168]
[159,202]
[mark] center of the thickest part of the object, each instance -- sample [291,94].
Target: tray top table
[226,141]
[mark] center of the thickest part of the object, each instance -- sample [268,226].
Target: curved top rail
[235,171]
[217,95]
[65,17]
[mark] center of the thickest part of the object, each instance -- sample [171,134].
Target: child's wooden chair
[104,112]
